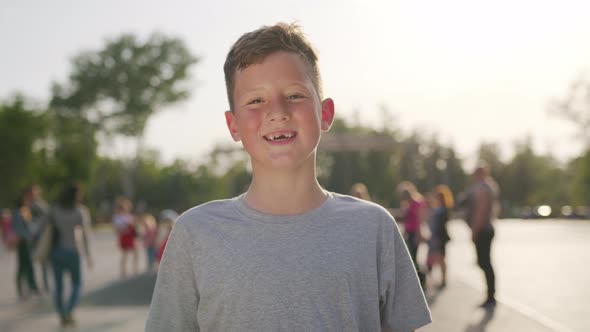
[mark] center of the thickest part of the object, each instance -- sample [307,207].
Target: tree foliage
[115,90]
[22,129]
[416,158]
[581,179]
[120,86]
[575,107]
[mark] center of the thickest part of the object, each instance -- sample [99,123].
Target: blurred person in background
[71,222]
[167,219]
[360,190]
[414,210]
[442,203]
[39,209]
[23,227]
[481,208]
[149,233]
[9,237]
[124,225]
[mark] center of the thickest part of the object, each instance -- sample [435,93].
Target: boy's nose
[278,112]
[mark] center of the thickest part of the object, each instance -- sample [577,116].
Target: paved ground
[107,303]
[456,309]
[539,268]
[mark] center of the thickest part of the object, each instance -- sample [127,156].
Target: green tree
[490,154]
[74,148]
[22,130]
[116,89]
[552,183]
[530,179]
[424,162]
[575,107]
[427,163]
[178,186]
[457,179]
[367,162]
[581,180]
[442,166]
[518,182]
[410,164]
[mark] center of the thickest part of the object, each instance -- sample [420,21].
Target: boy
[286,255]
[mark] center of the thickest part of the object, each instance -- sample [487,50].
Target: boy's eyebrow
[302,84]
[253,90]
[263,88]
[247,94]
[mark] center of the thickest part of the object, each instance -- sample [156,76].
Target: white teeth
[273,137]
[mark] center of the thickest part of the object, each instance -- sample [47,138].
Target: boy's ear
[230,120]
[327,114]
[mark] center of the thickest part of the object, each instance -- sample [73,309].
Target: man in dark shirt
[481,210]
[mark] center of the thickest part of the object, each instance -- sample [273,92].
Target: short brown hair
[253,47]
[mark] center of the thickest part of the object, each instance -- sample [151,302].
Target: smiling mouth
[279,137]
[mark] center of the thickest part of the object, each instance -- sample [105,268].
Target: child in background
[439,236]
[124,225]
[149,233]
[415,209]
[167,218]
[9,237]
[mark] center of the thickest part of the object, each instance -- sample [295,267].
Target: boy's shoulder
[345,204]
[211,208]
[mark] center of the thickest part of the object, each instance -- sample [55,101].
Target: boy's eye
[295,96]
[255,101]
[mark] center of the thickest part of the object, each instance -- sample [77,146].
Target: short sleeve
[175,299]
[402,303]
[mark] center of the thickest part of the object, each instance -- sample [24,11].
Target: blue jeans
[151,256]
[66,260]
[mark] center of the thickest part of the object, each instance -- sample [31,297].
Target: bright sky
[467,70]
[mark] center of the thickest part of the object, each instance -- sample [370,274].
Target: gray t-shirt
[66,222]
[340,267]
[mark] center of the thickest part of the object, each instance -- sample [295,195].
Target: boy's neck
[284,195]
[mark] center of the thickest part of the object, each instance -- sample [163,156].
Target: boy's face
[277,113]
